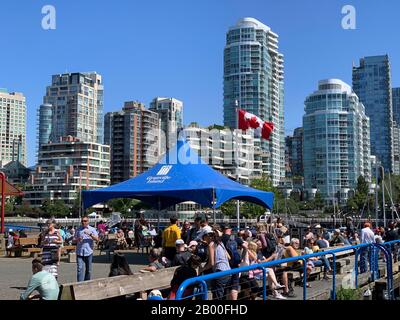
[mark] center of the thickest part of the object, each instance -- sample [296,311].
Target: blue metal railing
[358,249]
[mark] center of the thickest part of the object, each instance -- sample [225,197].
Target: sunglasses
[85,220]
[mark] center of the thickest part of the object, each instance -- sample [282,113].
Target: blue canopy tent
[181,175]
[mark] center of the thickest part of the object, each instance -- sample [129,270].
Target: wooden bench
[68,249]
[106,288]
[24,245]
[342,260]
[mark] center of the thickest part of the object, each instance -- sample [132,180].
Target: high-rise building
[294,153]
[372,84]
[396,104]
[233,153]
[77,108]
[396,129]
[170,111]
[133,135]
[253,81]
[12,127]
[45,123]
[67,167]
[336,144]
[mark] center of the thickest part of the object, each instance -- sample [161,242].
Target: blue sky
[174,48]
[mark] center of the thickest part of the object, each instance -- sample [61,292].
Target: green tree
[318,201]
[360,200]
[122,204]
[9,208]
[24,209]
[362,186]
[56,208]
[251,210]
[229,208]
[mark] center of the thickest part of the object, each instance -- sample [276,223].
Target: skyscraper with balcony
[253,77]
[372,84]
[170,112]
[235,154]
[336,144]
[133,135]
[76,101]
[12,127]
[65,168]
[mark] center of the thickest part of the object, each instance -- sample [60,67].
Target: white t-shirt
[367,235]
[378,239]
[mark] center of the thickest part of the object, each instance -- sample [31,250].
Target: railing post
[389,269]
[204,289]
[264,283]
[304,279]
[333,293]
[356,254]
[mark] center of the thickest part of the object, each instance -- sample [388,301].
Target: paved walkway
[16,272]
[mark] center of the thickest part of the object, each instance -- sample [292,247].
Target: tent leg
[158,216]
[238,214]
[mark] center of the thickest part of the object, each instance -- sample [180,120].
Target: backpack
[202,251]
[270,248]
[235,257]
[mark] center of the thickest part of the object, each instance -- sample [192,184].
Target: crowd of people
[199,248]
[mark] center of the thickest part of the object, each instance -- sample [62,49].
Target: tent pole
[238,214]
[214,215]
[158,216]
[80,203]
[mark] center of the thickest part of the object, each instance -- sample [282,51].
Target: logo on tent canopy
[164,170]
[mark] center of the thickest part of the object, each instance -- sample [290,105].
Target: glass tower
[336,144]
[396,129]
[294,153]
[45,117]
[372,84]
[77,107]
[253,77]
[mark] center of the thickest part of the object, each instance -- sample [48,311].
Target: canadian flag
[248,120]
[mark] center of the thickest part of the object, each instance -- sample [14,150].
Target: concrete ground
[16,272]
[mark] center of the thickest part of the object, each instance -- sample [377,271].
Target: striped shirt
[50,248]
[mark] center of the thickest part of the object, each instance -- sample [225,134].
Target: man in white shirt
[204,229]
[367,236]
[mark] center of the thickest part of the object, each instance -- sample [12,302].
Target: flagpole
[237,157]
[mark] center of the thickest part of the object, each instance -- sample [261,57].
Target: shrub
[348,294]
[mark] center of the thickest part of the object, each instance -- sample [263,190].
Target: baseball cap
[155,295]
[193,243]
[179,242]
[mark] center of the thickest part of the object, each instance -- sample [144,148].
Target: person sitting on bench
[42,281]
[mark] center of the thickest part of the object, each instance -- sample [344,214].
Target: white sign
[164,170]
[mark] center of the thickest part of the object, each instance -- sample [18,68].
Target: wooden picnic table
[24,245]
